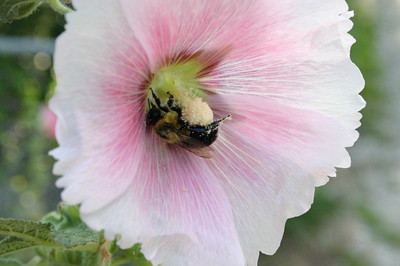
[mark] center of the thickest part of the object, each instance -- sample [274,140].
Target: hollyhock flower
[281,69]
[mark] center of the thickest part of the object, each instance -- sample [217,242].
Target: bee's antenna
[216,123]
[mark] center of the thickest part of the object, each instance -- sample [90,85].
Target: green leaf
[17,9]
[134,255]
[38,232]
[11,244]
[69,231]
[9,262]
[66,216]
[77,237]
[25,234]
[59,6]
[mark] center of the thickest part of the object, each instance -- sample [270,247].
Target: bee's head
[153,116]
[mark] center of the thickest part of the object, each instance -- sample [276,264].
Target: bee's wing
[194,146]
[204,152]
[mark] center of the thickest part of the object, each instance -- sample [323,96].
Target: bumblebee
[169,124]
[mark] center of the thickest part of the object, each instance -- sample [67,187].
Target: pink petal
[181,215]
[100,110]
[168,28]
[269,158]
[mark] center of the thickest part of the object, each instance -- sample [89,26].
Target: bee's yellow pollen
[195,111]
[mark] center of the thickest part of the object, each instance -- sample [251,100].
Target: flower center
[176,110]
[177,86]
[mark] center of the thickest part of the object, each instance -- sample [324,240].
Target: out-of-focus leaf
[9,262]
[17,9]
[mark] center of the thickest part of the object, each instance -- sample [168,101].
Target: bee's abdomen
[204,135]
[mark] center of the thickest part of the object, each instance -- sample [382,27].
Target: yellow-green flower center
[181,80]
[178,76]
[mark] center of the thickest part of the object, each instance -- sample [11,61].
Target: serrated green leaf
[12,244]
[70,244]
[17,9]
[9,262]
[46,235]
[38,232]
[76,237]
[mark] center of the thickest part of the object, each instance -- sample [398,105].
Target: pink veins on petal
[280,68]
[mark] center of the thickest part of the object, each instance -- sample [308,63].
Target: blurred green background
[354,220]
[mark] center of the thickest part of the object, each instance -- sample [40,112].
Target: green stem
[59,7]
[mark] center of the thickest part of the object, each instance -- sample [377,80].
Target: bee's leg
[172,106]
[156,99]
[170,100]
[158,102]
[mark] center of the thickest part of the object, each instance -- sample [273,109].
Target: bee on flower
[198,127]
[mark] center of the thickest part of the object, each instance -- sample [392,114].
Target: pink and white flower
[280,68]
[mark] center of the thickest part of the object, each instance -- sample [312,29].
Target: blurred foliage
[11,10]
[17,9]
[27,186]
[364,54]
[26,183]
